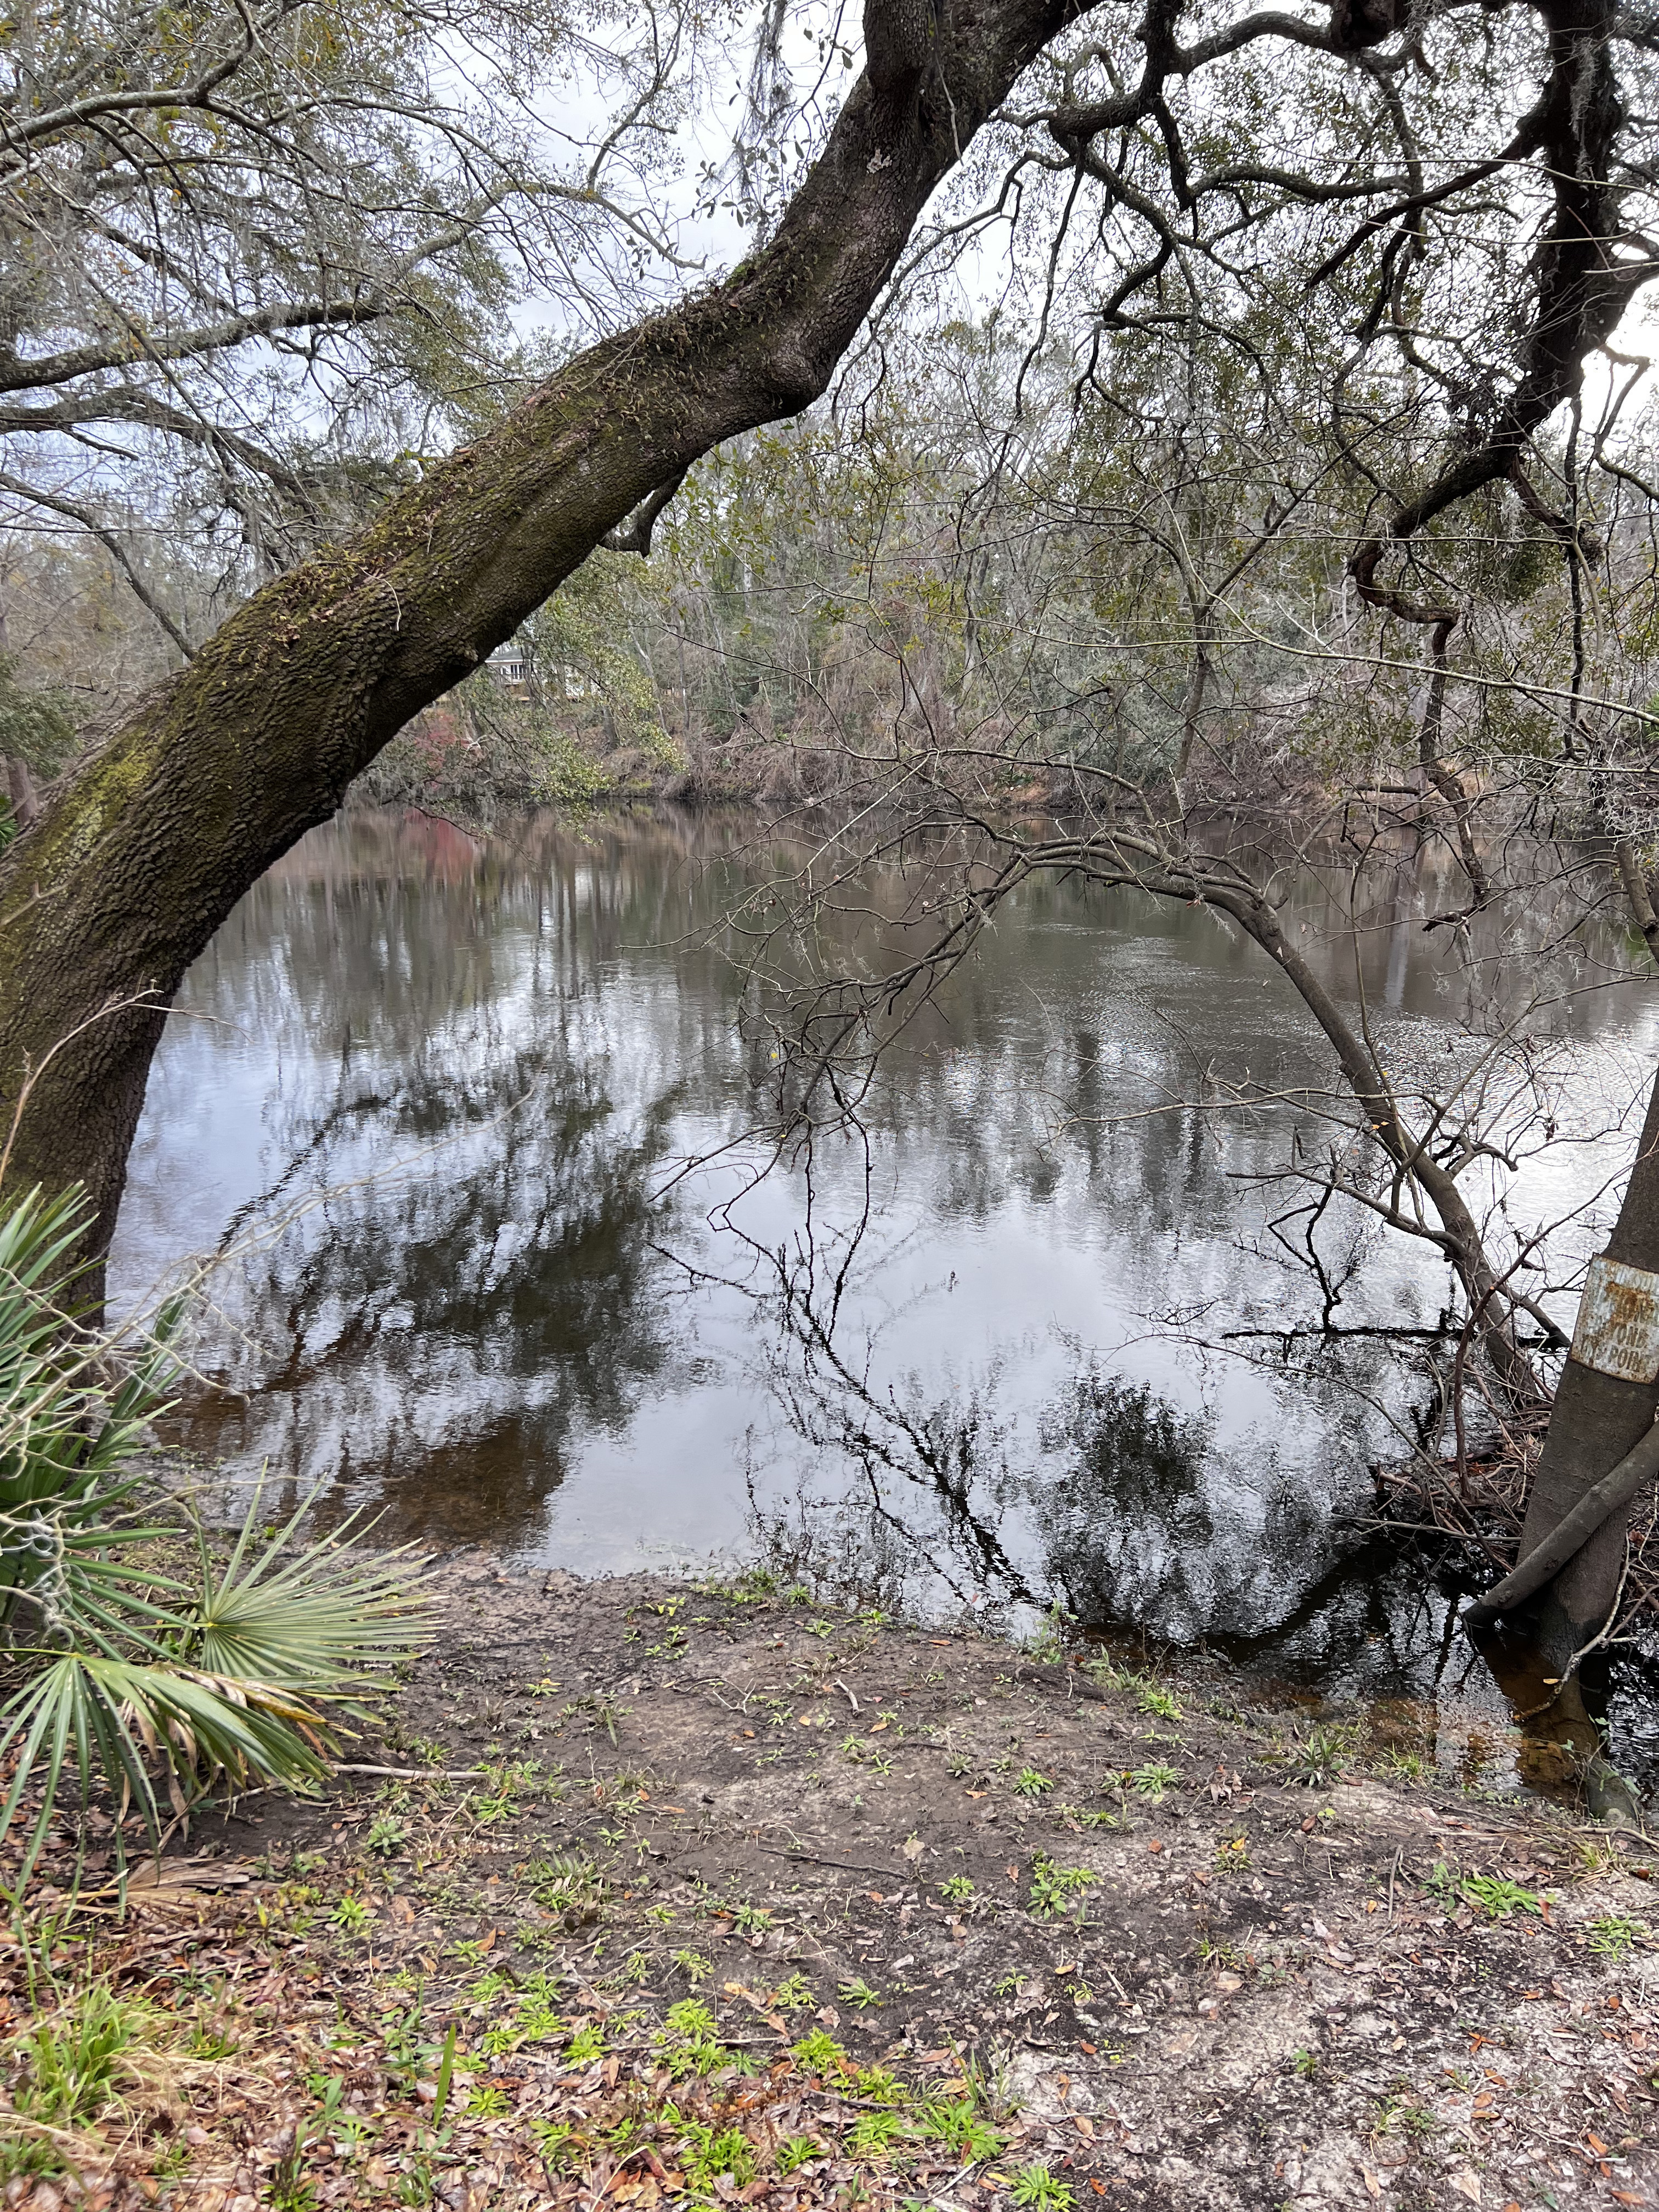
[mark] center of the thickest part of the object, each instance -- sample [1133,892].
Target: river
[469,1125]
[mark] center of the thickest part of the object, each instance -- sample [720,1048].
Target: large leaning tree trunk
[1602,1447]
[142,849]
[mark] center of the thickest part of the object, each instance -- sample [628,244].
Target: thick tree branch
[635,537]
[18,373]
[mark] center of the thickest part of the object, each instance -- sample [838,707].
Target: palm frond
[70,1416]
[310,1619]
[157,1684]
[92,1716]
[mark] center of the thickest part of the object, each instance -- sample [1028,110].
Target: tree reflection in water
[482,1302]
[433,1111]
[1127,1518]
[441,1237]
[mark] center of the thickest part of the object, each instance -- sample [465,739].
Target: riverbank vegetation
[144,1663]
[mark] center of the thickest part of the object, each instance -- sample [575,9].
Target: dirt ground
[970,1928]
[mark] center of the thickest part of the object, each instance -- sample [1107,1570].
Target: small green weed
[573,1890]
[1093,1816]
[1498,1897]
[1614,1935]
[1400,2113]
[1055,1888]
[1047,1645]
[286,2187]
[1152,1781]
[717,2154]
[874,2134]
[1323,1753]
[445,2076]
[958,2126]
[691,2042]
[882,2087]
[819,2053]
[1404,1766]
[552,2139]
[1444,1884]
[1037,2189]
[537,2022]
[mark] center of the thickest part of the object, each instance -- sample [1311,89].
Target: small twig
[847,1694]
[846,1866]
[419,1773]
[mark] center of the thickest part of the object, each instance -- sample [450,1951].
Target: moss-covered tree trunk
[142,849]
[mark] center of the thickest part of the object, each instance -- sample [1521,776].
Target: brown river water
[468,1128]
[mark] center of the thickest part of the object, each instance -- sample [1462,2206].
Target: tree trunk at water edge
[1598,1416]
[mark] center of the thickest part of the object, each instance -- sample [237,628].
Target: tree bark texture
[1596,1419]
[144,847]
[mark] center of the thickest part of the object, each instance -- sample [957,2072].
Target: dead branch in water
[1478,1508]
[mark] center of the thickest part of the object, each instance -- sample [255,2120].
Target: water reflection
[481,1303]
[1123,1510]
[428,1108]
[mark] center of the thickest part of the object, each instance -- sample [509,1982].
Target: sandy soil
[1173,1953]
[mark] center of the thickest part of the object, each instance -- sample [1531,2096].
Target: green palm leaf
[310,1619]
[93,1717]
[156,1685]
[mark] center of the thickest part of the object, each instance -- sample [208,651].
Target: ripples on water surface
[429,1092]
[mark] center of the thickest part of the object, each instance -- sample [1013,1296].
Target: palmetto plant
[156,1682]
